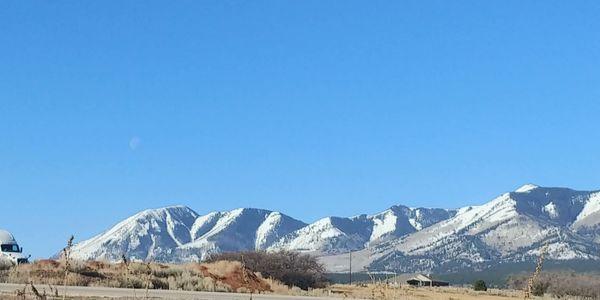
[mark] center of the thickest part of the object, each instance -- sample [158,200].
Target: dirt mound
[235,276]
[47,264]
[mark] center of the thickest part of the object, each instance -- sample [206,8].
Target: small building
[422,280]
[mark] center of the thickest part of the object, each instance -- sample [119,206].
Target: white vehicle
[10,250]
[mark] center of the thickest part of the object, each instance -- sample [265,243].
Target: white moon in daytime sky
[134,143]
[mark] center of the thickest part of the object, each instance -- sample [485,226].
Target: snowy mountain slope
[236,230]
[328,235]
[339,235]
[143,235]
[178,233]
[511,227]
[275,227]
[589,216]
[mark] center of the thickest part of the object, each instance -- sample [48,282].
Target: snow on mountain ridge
[526,188]
[177,233]
[494,212]
[322,235]
[275,227]
[339,235]
[145,232]
[510,227]
[591,208]
[204,223]
[385,224]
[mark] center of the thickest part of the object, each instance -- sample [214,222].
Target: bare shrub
[66,253]
[37,294]
[77,266]
[479,285]
[159,284]
[278,287]
[209,284]
[539,288]
[221,287]
[147,277]
[167,272]
[5,264]
[561,284]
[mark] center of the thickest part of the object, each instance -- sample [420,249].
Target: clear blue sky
[312,108]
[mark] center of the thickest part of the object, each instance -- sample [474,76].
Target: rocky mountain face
[332,235]
[150,233]
[510,228]
[177,233]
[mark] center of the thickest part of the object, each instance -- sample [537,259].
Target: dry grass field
[421,293]
[223,276]
[219,276]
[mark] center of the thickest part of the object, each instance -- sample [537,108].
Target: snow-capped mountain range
[177,233]
[510,228]
[332,235]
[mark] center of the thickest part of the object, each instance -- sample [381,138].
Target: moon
[134,143]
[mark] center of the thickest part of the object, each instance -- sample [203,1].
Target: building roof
[421,277]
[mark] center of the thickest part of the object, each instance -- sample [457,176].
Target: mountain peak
[526,188]
[170,208]
[177,233]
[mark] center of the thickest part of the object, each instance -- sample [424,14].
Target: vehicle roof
[7,237]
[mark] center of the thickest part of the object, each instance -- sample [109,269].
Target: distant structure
[423,280]
[10,250]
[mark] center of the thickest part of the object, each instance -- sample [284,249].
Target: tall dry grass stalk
[536,273]
[148,280]
[22,293]
[127,273]
[37,294]
[244,275]
[67,258]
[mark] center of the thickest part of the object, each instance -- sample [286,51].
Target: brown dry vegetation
[228,276]
[404,292]
[291,268]
[219,276]
[561,284]
[383,292]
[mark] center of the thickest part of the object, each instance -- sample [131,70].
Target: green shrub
[479,285]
